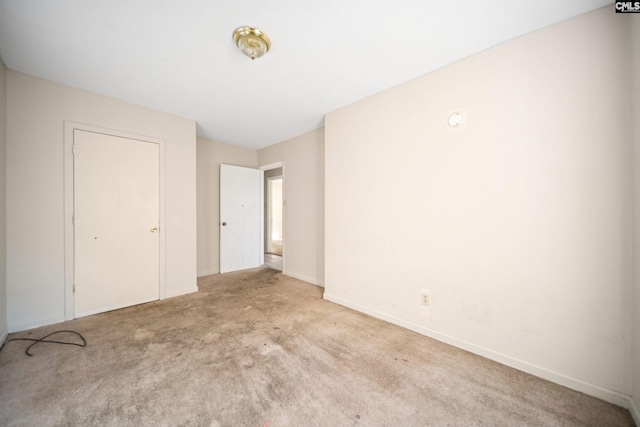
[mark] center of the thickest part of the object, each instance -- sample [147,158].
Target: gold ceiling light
[251,41]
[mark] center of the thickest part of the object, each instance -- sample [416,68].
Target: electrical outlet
[426,297]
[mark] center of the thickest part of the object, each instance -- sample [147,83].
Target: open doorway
[274,218]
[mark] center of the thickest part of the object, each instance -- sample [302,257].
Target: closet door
[116,222]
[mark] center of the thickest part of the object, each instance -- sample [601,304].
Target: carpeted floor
[257,348]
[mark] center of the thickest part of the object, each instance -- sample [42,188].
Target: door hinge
[74,288]
[73,149]
[73,219]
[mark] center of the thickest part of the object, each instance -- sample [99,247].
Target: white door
[116,215]
[240,218]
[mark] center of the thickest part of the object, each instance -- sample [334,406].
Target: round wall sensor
[455,119]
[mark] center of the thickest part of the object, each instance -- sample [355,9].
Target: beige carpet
[257,348]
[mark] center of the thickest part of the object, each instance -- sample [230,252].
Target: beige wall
[635,81]
[3,203]
[303,169]
[519,221]
[210,155]
[37,110]
[303,159]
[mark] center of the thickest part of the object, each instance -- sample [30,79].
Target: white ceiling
[178,56]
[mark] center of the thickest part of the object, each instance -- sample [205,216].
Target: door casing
[270,207]
[267,167]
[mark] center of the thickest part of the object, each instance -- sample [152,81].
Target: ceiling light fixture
[251,41]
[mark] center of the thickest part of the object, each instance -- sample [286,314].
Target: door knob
[224,223]
[154,229]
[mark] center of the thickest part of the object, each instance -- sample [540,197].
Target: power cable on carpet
[44,339]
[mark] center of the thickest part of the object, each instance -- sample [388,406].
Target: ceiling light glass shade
[251,41]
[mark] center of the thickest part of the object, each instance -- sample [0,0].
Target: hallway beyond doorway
[276,247]
[273,261]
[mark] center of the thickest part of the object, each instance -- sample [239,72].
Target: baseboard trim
[36,323]
[115,307]
[179,292]
[31,324]
[635,411]
[3,336]
[207,273]
[605,394]
[304,278]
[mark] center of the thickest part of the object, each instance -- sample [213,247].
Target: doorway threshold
[273,261]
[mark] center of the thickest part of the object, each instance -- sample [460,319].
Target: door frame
[267,167]
[69,249]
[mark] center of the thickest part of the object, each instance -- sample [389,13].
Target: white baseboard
[3,336]
[23,325]
[635,411]
[208,273]
[179,292]
[605,394]
[304,278]
[115,307]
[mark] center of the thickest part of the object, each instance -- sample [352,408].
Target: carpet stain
[143,335]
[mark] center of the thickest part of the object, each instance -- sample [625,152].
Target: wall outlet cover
[426,297]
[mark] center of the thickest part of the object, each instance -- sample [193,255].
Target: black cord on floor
[44,339]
